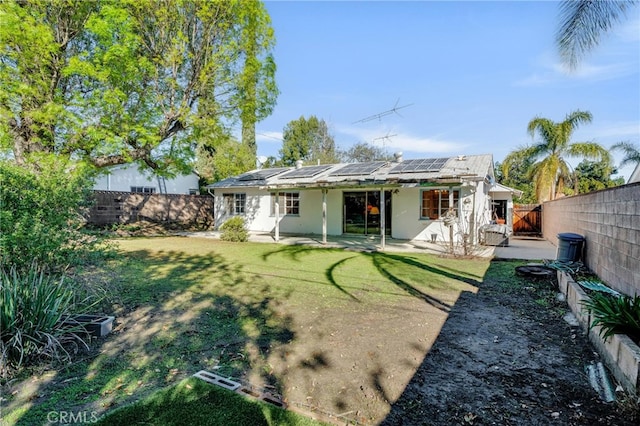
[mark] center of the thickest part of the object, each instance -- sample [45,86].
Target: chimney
[298,164]
[398,157]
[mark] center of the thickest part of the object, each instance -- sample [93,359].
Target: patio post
[382,217]
[277,214]
[324,216]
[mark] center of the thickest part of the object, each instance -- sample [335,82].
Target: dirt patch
[505,356]
[500,353]
[354,364]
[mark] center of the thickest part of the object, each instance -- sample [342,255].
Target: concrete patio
[519,247]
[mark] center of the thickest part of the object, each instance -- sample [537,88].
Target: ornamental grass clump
[32,307]
[234,230]
[615,314]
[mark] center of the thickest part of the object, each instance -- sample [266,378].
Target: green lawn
[194,402]
[241,310]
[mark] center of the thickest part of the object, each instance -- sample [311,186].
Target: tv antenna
[384,139]
[269,136]
[383,114]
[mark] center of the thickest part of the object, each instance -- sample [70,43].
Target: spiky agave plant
[32,305]
[615,314]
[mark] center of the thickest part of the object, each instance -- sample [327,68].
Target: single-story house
[431,199]
[129,178]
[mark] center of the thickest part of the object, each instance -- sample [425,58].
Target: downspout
[277,208]
[324,216]
[382,217]
[472,219]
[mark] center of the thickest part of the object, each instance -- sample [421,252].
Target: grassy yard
[330,330]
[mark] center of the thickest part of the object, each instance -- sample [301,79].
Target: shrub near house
[235,230]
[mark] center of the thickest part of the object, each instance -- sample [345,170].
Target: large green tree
[549,170]
[258,89]
[112,82]
[362,152]
[595,175]
[582,23]
[308,140]
[228,158]
[517,176]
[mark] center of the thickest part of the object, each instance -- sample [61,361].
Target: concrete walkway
[518,248]
[526,248]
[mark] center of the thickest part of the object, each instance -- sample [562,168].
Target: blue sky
[471,75]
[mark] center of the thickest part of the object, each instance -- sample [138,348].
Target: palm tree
[549,170]
[582,24]
[631,153]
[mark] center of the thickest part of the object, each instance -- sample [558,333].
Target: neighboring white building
[635,175]
[409,200]
[129,178]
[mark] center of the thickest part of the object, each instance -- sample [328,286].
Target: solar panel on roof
[308,171]
[420,165]
[261,174]
[357,169]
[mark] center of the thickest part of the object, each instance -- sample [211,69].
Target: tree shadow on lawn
[358,362]
[179,313]
[386,265]
[175,316]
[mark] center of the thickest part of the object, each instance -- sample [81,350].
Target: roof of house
[448,170]
[498,187]
[149,172]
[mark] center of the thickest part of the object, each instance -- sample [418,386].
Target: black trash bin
[569,247]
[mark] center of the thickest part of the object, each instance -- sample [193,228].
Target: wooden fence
[527,219]
[127,207]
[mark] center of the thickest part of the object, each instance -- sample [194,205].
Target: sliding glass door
[362,210]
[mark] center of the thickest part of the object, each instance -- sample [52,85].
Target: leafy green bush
[235,230]
[41,215]
[616,315]
[32,306]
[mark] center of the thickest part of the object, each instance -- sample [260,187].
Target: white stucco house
[129,178]
[411,200]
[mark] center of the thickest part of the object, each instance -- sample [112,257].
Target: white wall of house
[123,178]
[405,208]
[335,212]
[256,211]
[309,221]
[259,217]
[406,222]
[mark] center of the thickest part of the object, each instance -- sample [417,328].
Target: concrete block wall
[610,222]
[126,207]
[619,353]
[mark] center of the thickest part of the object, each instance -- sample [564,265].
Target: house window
[143,189]
[289,203]
[235,203]
[436,202]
